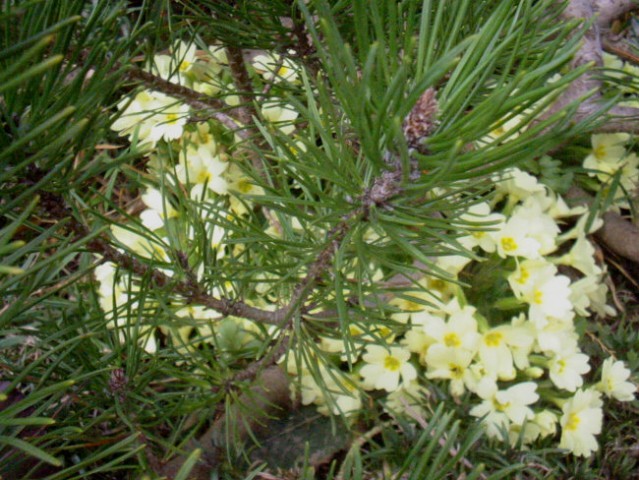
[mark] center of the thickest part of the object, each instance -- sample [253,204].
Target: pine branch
[246,111]
[192,292]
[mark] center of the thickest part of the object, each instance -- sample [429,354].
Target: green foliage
[81,397]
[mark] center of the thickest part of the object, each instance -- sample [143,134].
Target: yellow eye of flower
[562,366]
[500,407]
[498,132]
[282,71]
[524,275]
[509,244]
[573,422]
[244,186]
[600,152]
[452,340]
[493,339]
[456,371]
[391,363]
[538,297]
[437,284]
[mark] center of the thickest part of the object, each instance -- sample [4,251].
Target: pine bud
[420,122]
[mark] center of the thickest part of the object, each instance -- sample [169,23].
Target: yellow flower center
[204,137]
[283,71]
[600,152]
[500,407]
[452,340]
[562,366]
[524,275]
[244,185]
[410,306]
[573,422]
[384,332]
[456,371]
[493,339]
[171,117]
[509,244]
[498,132]
[538,297]
[202,177]
[391,363]
[437,284]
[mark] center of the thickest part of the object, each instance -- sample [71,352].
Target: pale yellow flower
[581,420]
[385,367]
[614,381]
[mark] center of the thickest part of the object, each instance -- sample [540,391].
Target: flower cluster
[496,324]
[194,189]
[501,328]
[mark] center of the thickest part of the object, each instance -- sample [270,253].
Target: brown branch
[192,292]
[246,111]
[196,100]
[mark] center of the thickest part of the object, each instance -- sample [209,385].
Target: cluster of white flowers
[187,159]
[516,356]
[519,357]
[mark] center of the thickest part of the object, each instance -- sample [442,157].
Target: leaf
[30,450]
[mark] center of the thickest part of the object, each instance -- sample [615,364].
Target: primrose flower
[513,240]
[159,209]
[495,349]
[582,257]
[581,421]
[481,214]
[550,297]
[144,245]
[114,289]
[280,115]
[201,168]
[503,132]
[241,185]
[385,366]
[179,66]
[614,381]
[566,370]
[540,226]
[417,342]
[153,116]
[556,337]
[517,185]
[528,274]
[544,424]
[307,389]
[459,331]
[169,120]
[275,67]
[502,408]
[607,150]
[411,303]
[448,363]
